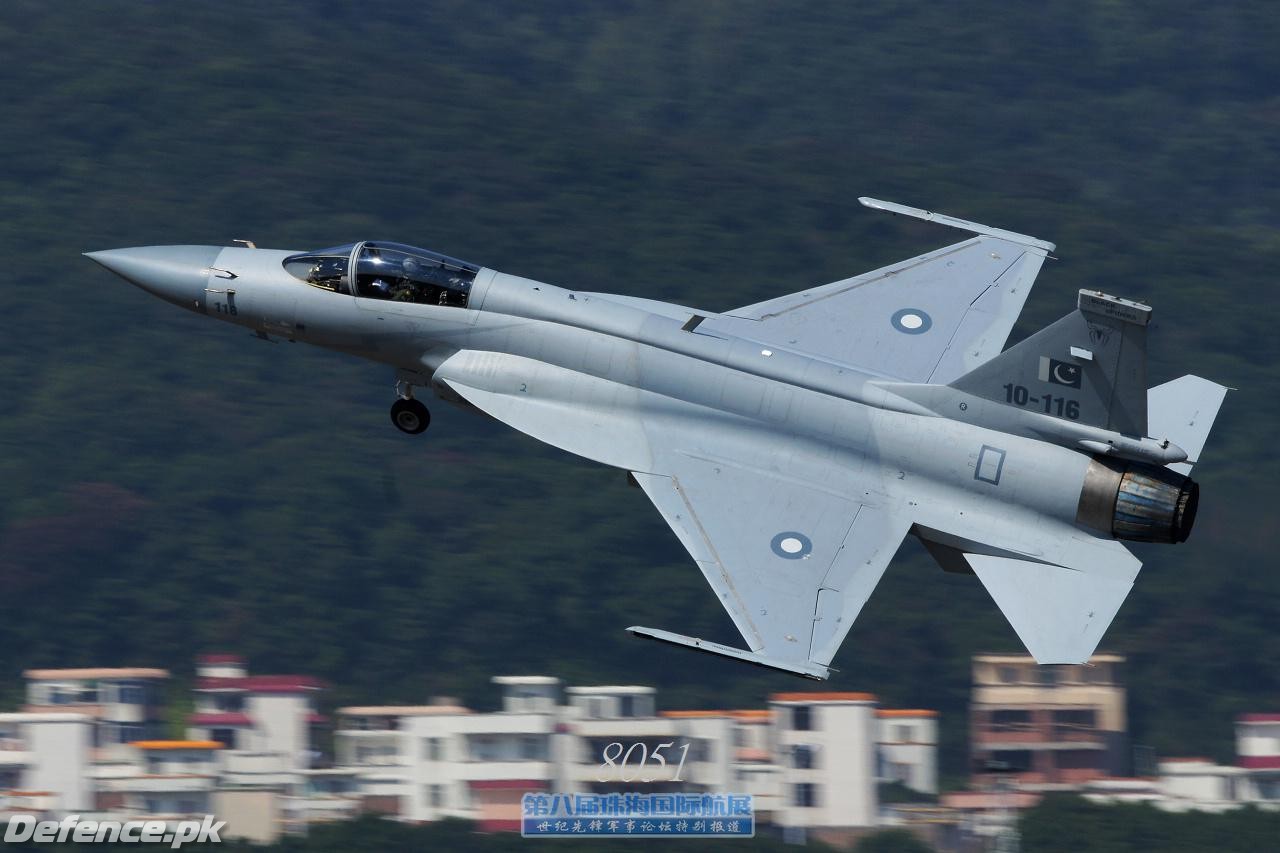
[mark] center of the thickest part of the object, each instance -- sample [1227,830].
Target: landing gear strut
[408,414]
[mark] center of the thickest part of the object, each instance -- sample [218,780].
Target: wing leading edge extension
[931,318]
[793,564]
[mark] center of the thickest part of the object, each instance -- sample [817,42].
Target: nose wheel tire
[410,416]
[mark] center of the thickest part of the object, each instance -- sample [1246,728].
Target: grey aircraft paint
[792,444]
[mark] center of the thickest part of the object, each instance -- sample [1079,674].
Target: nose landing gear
[409,415]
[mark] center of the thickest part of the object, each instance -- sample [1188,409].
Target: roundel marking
[911,321]
[791,545]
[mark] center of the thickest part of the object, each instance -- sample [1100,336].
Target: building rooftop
[402,710]
[219,658]
[905,712]
[261,683]
[745,715]
[94,672]
[176,744]
[220,718]
[1025,658]
[1258,718]
[612,690]
[45,717]
[823,697]
[540,680]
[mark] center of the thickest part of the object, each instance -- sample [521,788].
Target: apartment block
[125,703]
[1048,726]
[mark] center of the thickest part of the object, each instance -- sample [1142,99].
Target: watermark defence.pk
[72,828]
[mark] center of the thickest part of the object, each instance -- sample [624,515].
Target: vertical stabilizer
[1090,367]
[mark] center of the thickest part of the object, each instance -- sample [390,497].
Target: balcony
[158,784]
[320,807]
[693,773]
[14,752]
[1034,736]
[488,771]
[627,727]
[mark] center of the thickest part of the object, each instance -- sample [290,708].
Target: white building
[1258,751]
[810,759]
[171,780]
[753,767]
[1200,784]
[826,754]
[125,703]
[908,748]
[434,761]
[45,756]
[265,721]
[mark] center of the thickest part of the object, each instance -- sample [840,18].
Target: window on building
[1076,718]
[533,748]
[226,737]
[1010,760]
[804,756]
[432,748]
[1078,759]
[626,706]
[228,702]
[89,693]
[1010,720]
[129,732]
[484,748]
[739,736]
[1099,673]
[132,693]
[1046,676]
[435,796]
[1008,674]
[1268,789]
[802,718]
[804,795]
[903,734]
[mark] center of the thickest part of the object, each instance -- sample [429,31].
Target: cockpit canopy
[387,271]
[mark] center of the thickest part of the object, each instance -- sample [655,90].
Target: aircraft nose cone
[176,274]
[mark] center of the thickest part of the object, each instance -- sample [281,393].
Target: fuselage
[858,434]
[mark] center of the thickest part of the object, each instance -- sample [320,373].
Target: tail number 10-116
[1062,407]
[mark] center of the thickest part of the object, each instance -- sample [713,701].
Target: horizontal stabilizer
[1183,411]
[809,670]
[1059,613]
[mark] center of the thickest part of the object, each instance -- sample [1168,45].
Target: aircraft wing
[931,318]
[792,563]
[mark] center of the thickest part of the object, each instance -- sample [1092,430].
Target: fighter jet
[792,444]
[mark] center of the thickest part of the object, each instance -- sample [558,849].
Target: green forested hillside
[170,485]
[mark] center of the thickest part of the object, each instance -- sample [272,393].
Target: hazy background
[169,485]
